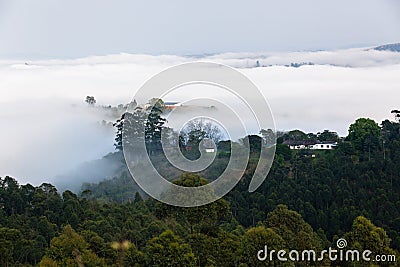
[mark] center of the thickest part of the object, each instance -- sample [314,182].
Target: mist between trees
[308,201]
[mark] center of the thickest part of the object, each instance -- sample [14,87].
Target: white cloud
[42,135]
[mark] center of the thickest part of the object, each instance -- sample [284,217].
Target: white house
[208,145]
[324,145]
[311,144]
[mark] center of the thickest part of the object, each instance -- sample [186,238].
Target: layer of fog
[355,57]
[47,130]
[41,138]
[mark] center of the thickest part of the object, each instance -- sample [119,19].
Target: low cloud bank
[47,129]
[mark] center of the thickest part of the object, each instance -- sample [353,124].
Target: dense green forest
[308,201]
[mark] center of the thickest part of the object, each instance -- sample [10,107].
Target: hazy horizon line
[39,56]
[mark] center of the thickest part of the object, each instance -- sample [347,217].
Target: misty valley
[310,199]
[199,133]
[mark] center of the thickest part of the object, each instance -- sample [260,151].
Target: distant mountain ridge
[389,47]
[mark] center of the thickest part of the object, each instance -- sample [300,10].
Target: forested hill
[308,201]
[38,227]
[360,177]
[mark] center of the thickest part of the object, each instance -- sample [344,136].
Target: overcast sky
[76,28]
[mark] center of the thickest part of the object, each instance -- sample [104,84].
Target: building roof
[328,142]
[300,142]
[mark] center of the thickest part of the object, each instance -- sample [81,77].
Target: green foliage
[168,250]
[196,219]
[327,135]
[130,129]
[396,114]
[295,135]
[220,249]
[140,233]
[120,189]
[71,249]
[8,237]
[364,134]
[111,224]
[256,239]
[284,151]
[293,229]
[90,100]
[134,257]
[154,124]
[364,235]
[268,136]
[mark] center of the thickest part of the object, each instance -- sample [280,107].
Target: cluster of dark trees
[40,227]
[140,124]
[361,177]
[305,203]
